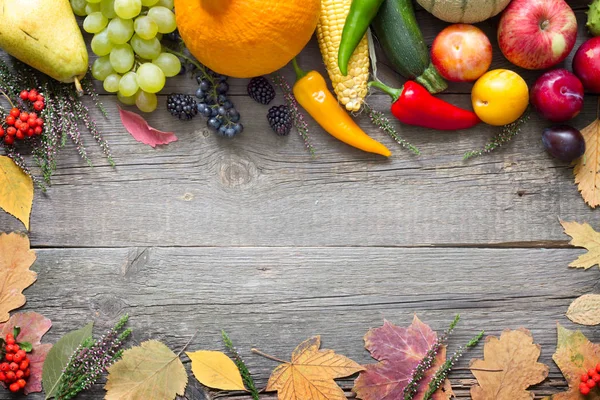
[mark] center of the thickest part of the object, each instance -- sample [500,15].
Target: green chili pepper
[359,18]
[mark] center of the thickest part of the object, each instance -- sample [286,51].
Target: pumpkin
[464,11]
[246,38]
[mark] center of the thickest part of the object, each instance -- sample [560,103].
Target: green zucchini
[401,39]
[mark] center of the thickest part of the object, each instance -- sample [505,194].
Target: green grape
[95,22]
[92,8]
[146,102]
[128,85]
[169,64]
[108,8]
[101,44]
[111,83]
[128,9]
[164,18]
[122,58]
[145,27]
[78,7]
[147,49]
[101,68]
[150,78]
[149,3]
[128,101]
[120,30]
[166,3]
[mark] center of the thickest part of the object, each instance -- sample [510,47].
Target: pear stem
[7,98]
[78,87]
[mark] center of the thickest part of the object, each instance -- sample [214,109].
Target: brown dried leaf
[584,236]
[585,310]
[311,373]
[15,276]
[516,356]
[587,166]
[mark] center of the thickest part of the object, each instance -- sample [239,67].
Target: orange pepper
[312,94]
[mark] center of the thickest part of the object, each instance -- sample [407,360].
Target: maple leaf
[16,191]
[33,327]
[398,350]
[583,236]
[574,355]
[15,276]
[585,310]
[587,167]
[137,126]
[511,361]
[150,371]
[214,369]
[311,373]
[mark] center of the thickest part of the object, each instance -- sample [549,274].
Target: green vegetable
[362,12]
[593,18]
[400,37]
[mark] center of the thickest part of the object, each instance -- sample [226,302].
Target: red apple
[461,53]
[586,64]
[537,34]
[557,95]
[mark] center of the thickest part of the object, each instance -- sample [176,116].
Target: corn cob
[351,90]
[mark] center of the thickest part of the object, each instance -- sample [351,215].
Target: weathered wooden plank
[272,298]
[263,190]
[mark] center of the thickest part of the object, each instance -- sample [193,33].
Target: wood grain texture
[255,236]
[273,298]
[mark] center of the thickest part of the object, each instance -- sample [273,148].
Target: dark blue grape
[200,94]
[222,111]
[205,85]
[228,104]
[563,142]
[213,123]
[238,128]
[222,87]
[222,99]
[222,129]
[234,115]
[214,111]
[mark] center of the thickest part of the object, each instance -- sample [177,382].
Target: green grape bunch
[127,40]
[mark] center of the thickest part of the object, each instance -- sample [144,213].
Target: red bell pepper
[414,105]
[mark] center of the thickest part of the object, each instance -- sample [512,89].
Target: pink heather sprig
[299,121]
[427,362]
[90,360]
[442,373]
[382,122]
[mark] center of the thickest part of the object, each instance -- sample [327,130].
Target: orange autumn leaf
[583,236]
[508,368]
[574,355]
[587,167]
[16,191]
[311,373]
[15,276]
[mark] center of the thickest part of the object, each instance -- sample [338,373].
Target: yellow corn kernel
[352,89]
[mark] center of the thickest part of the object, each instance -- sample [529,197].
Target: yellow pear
[45,35]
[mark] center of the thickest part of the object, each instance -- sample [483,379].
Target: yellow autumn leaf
[583,235]
[16,191]
[585,310]
[509,366]
[214,369]
[587,167]
[15,259]
[311,373]
[150,371]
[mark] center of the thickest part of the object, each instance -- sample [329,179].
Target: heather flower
[299,121]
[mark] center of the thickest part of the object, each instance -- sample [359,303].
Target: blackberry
[280,119]
[182,106]
[261,90]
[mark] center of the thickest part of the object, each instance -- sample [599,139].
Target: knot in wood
[236,172]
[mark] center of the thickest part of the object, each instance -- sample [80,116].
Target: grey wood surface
[255,236]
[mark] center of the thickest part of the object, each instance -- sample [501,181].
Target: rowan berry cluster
[14,368]
[19,123]
[590,380]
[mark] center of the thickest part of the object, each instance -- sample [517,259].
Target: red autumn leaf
[142,132]
[398,350]
[33,327]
